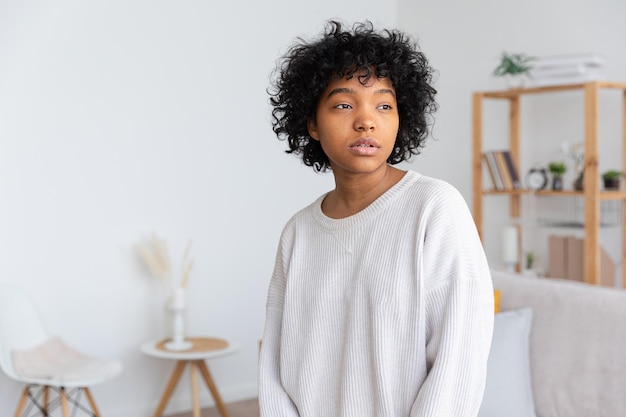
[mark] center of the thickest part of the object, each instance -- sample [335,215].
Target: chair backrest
[20,325]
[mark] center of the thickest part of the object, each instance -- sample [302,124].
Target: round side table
[202,348]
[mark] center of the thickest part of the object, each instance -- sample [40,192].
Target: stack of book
[567,69]
[502,170]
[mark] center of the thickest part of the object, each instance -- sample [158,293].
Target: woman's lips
[365,147]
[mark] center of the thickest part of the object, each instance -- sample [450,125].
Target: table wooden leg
[195,400]
[178,370]
[204,370]
[92,403]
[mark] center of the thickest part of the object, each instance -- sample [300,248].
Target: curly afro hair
[307,68]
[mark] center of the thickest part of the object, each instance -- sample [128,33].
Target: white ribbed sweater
[386,313]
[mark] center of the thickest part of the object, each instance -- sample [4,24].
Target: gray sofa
[577,345]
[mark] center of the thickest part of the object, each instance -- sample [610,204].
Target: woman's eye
[384,107]
[343,106]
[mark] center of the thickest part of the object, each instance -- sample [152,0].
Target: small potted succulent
[612,179]
[530,260]
[513,67]
[530,264]
[557,169]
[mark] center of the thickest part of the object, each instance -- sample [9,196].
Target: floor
[246,408]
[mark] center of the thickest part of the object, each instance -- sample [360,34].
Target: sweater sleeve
[273,400]
[459,312]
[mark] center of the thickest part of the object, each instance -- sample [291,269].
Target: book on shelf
[494,173]
[502,170]
[491,171]
[512,169]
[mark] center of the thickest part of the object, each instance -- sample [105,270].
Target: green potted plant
[612,179]
[557,169]
[513,67]
[530,260]
[530,264]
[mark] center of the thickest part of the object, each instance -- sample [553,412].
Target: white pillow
[508,390]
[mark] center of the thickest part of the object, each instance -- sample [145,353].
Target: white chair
[55,375]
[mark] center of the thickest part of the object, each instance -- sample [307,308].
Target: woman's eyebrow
[343,90]
[386,91]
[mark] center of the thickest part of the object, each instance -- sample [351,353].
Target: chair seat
[56,364]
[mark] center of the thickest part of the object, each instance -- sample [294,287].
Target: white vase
[177,305]
[514,81]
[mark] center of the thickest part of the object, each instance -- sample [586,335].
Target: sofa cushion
[508,390]
[496,301]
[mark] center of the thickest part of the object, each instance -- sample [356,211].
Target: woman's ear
[311,126]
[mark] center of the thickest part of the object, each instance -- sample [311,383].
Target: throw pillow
[508,389]
[496,301]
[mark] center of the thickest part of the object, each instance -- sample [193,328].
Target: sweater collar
[367,213]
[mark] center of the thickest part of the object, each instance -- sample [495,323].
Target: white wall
[119,118]
[464,40]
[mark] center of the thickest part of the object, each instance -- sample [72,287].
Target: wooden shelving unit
[592,194]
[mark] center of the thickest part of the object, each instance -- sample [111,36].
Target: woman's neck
[354,193]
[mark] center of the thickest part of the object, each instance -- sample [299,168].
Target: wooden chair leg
[46,398]
[92,403]
[206,375]
[180,366]
[64,406]
[22,403]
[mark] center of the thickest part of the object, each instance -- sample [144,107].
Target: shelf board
[603,195]
[506,192]
[516,92]
[562,193]
[571,224]
[613,195]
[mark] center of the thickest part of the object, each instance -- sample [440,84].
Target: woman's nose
[364,121]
